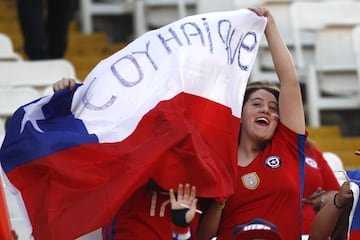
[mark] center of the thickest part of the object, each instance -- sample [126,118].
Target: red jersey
[318,174]
[145,215]
[269,188]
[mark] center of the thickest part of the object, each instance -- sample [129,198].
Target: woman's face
[260,115]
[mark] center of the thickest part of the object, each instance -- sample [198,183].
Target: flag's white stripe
[24,231]
[201,55]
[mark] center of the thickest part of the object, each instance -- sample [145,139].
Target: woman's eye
[256,104]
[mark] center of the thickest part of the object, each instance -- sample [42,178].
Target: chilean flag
[355,216]
[167,107]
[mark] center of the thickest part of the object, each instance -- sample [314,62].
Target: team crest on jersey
[273,162]
[311,162]
[251,180]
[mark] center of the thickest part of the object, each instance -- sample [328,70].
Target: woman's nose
[265,109]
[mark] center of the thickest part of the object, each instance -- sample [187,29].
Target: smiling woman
[270,151]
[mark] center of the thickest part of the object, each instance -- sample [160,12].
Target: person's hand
[260,11]
[315,199]
[264,12]
[64,83]
[358,151]
[345,193]
[185,197]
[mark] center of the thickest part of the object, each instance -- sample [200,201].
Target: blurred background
[323,36]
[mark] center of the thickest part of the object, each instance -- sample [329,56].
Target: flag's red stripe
[354,234]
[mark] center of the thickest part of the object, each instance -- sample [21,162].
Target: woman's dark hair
[268,86]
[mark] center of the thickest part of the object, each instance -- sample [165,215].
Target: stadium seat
[12,98]
[263,67]
[90,8]
[7,52]
[356,46]
[331,83]
[311,16]
[36,74]
[336,164]
[206,6]
[145,13]
[151,14]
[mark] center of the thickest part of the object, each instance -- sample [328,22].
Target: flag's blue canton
[41,128]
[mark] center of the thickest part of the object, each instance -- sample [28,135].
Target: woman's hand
[263,12]
[64,83]
[186,198]
[316,200]
[345,193]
